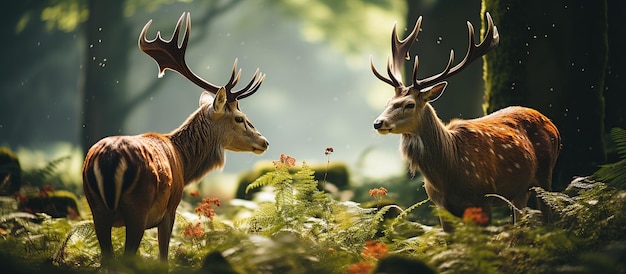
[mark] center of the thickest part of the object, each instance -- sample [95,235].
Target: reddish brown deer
[503,153]
[138,181]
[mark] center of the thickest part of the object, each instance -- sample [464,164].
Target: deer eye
[411,105]
[239,119]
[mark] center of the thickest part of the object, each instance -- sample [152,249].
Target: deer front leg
[446,225]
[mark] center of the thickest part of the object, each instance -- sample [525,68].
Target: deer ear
[220,101]
[433,92]
[205,98]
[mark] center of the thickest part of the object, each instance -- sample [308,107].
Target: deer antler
[400,51]
[169,55]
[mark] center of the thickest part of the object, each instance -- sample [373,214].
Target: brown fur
[138,181]
[504,153]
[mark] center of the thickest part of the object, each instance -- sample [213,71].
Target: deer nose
[378,124]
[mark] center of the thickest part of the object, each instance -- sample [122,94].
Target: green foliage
[614,174]
[305,230]
[44,175]
[345,24]
[300,206]
[79,247]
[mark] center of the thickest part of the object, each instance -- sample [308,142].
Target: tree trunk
[552,57]
[615,88]
[104,82]
[444,28]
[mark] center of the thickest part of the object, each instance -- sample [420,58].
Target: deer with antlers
[138,181]
[503,153]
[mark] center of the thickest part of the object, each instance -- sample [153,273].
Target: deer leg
[546,211]
[103,224]
[165,233]
[135,228]
[445,225]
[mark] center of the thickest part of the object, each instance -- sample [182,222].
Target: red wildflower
[194,193]
[361,267]
[193,230]
[374,249]
[378,192]
[475,215]
[206,207]
[328,151]
[285,161]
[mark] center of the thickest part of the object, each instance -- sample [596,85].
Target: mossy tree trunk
[552,57]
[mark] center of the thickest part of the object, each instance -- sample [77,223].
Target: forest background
[72,74]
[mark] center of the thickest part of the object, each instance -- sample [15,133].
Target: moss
[10,172]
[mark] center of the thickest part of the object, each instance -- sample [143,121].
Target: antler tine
[246,91]
[234,77]
[253,86]
[474,51]
[378,75]
[400,50]
[169,55]
[418,84]
[400,53]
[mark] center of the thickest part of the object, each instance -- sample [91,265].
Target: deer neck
[430,148]
[199,146]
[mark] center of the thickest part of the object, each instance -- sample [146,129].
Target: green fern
[614,174]
[299,206]
[296,200]
[271,178]
[79,247]
[41,176]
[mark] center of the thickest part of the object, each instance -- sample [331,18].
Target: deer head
[402,112]
[169,55]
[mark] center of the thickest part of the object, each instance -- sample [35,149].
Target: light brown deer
[138,181]
[504,153]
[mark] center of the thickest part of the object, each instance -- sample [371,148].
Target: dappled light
[291,136]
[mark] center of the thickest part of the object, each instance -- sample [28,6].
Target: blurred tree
[103,83]
[106,105]
[615,87]
[106,101]
[552,56]
[34,76]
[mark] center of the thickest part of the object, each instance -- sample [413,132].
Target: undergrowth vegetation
[306,230]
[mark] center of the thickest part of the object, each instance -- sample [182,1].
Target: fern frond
[45,173]
[269,178]
[618,135]
[80,245]
[614,174]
